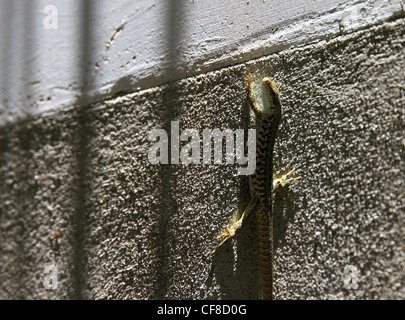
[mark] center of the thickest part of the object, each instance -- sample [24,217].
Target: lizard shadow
[285,207]
[236,263]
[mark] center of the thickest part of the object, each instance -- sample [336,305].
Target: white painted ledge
[110,47]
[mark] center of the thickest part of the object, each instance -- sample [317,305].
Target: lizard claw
[284,179]
[229,232]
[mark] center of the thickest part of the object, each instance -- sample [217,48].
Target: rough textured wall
[79,192]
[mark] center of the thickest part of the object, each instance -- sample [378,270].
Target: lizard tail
[265,230]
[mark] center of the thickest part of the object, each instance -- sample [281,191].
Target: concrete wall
[78,192]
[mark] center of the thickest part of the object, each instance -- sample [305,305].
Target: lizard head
[271,98]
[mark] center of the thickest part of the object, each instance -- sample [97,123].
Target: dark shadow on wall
[27,75]
[22,190]
[82,155]
[6,36]
[230,266]
[174,26]
[16,56]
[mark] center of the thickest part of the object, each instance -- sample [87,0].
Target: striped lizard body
[268,117]
[260,182]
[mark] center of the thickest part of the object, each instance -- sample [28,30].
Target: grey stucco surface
[130,229]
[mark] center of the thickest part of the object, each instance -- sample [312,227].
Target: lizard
[261,183]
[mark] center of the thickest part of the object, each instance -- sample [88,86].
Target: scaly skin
[260,183]
[268,117]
